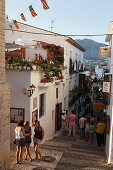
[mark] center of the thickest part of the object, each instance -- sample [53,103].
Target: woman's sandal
[21,162]
[31,160]
[17,162]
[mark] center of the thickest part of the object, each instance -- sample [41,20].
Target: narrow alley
[66,153]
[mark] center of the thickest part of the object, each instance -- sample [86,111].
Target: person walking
[82,126]
[100,128]
[64,123]
[38,137]
[91,131]
[27,134]
[20,142]
[72,122]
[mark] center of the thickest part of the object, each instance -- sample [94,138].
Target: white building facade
[54,97]
[109,110]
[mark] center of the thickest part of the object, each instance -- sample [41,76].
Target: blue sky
[70,16]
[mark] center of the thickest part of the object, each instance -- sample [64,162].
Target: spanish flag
[11,28]
[33,13]
[45,5]
[16,25]
[23,17]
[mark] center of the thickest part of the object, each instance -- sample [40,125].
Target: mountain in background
[92,54]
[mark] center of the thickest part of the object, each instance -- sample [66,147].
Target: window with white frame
[71,54]
[42,104]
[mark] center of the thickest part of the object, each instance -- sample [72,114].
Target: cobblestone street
[69,153]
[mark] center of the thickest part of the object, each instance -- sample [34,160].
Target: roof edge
[74,43]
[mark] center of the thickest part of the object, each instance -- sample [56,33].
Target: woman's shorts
[28,140]
[20,142]
[36,141]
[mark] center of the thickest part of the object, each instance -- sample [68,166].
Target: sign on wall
[16,114]
[99,106]
[106,87]
[34,117]
[105,52]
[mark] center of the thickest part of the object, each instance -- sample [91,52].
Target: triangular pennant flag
[45,5]
[23,17]
[33,13]
[16,25]
[11,28]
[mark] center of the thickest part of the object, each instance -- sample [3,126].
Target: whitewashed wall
[21,79]
[58,40]
[30,53]
[18,80]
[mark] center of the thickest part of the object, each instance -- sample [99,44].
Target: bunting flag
[16,25]
[33,13]
[11,28]
[45,5]
[23,17]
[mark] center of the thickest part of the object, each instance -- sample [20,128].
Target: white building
[109,110]
[49,99]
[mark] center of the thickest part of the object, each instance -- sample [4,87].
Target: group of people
[89,126]
[23,140]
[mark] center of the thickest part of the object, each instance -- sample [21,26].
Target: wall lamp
[31,89]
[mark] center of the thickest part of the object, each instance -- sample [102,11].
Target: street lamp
[31,90]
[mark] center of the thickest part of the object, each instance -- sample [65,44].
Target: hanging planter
[28,68]
[7,66]
[34,67]
[11,67]
[16,67]
[20,67]
[24,67]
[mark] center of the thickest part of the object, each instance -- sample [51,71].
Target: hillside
[92,54]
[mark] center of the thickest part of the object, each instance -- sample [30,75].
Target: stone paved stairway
[70,154]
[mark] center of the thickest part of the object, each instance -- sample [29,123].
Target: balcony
[44,85]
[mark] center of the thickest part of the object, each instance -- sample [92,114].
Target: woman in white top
[20,142]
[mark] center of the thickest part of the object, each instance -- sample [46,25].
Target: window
[41,104]
[71,54]
[16,114]
[56,93]
[70,86]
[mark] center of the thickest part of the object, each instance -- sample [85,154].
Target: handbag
[14,142]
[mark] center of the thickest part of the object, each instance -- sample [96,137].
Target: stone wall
[4,97]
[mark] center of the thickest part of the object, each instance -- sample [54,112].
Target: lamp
[31,90]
